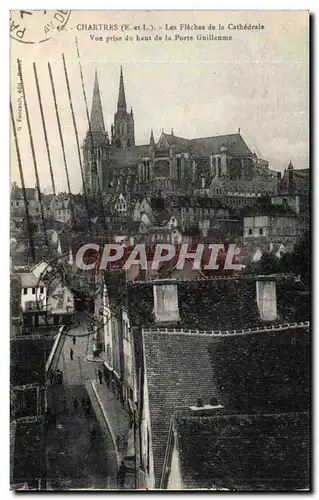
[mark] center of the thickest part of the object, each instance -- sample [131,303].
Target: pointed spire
[290,166]
[121,103]
[152,141]
[96,119]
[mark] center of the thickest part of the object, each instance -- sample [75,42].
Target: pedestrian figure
[100,376]
[75,404]
[88,402]
[51,377]
[73,340]
[121,475]
[71,354]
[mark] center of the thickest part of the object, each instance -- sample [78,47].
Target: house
[172,335]
[61,208]
[271,224]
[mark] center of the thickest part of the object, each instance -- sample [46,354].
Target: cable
[77,139]
[90,131]
[31,244]
[62,142]
[44,127]
[33,151]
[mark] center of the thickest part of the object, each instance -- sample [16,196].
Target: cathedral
[213,166]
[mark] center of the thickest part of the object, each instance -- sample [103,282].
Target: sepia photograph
[160,216]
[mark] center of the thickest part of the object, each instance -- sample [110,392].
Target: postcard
[159,250]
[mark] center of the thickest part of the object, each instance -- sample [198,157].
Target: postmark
[37,26]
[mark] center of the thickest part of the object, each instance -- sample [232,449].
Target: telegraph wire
[31,244]
[62,142]
[44,127]
[77,139]
[90,131]
[32,151]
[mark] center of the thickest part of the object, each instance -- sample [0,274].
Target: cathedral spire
[96,119]
[121,103]
[152,142]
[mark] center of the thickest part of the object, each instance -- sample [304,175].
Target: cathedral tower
[96,146]
[123,128]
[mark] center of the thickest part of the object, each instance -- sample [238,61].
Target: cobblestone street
[75,460]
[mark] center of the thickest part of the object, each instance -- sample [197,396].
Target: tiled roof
[244,451]
[205,146]
[263,372]
[29,280]
[178,373]
[234,143]
[211,305]
[269,209]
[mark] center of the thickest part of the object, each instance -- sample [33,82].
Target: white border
[312,6]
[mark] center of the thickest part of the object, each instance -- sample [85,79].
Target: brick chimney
[166,303]
[266,297]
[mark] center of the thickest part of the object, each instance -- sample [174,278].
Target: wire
[26,205]
[62,142]
[77,139]
[90,131]
[44,127]
[33,151]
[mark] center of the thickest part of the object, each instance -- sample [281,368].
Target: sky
[257,82]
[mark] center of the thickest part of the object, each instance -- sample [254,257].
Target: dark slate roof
[178,373]
[205,146]
[263,372]
[222,304]
[174,140]
[244,452]
[234,143]
[269,209]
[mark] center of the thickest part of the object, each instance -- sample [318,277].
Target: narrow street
[79,448]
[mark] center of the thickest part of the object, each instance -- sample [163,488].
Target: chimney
[166,303]
[266,297]
[202,409]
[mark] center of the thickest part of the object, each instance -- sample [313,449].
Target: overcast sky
[258,82]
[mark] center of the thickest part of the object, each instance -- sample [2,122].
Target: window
[261,230]
[250,231]
[25,291]
[33,291]
[41,289]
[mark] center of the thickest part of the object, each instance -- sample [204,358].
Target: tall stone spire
[97,121]
[121,102]
[152,141]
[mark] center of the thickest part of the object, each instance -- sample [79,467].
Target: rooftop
[265,372]
[30,280]
[244,452]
